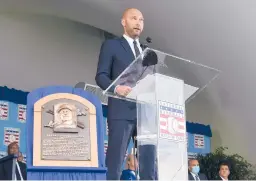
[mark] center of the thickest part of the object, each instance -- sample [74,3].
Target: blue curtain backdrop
[197,133]
[12,119]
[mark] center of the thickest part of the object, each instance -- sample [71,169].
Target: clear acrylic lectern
[161,86]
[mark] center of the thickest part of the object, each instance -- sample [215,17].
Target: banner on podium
[172,121]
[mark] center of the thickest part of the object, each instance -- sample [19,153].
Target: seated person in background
[131,166]
[224,171]
[193,171]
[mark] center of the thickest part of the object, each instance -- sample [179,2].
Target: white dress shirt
[223,178]
[130,42]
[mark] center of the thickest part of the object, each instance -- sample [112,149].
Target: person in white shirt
[224,171]
[115,56]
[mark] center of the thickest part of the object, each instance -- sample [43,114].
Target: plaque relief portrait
[65,118]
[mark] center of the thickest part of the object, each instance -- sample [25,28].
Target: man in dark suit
[115,56]
[6,167]
[194,171]
[6,170]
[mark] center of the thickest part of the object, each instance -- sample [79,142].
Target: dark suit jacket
[6,170]
[23,169]
[201,176]
[115,56]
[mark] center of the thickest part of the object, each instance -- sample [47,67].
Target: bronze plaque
[65,132]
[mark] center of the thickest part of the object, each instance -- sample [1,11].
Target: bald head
[132,22]
[130,10]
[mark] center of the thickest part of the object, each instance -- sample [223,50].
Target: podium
[161,85]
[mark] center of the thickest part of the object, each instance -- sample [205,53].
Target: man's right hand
[123,90]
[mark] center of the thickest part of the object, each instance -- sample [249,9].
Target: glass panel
[143,69]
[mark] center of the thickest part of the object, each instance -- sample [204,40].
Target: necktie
[197,178]
[137,51]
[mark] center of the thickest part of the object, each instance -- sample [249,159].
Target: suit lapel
[127,48]
[190,176]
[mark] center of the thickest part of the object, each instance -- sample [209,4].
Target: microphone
[151,57]
[148,40]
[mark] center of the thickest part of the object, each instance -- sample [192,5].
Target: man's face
[133,22]
[224,171]
[192,163]
[14,149]
[65,115]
